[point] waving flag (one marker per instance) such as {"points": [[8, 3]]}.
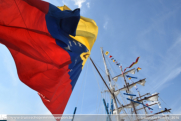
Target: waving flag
{"points": [[49, 45], [132, 64], [138, 69], [106, 52]]}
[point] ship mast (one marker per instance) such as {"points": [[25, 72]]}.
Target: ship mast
{"points": [[127, 90], [133, 102], [142, 102], [111, 87]]}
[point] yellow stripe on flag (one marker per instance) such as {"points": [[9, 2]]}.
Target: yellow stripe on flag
{"points": [[86, 33]]}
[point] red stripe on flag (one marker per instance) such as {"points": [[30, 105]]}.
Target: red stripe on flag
{"points": [[18, 13], [41, 5], [40, 62]]}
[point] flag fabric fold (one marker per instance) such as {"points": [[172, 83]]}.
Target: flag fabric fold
{"points": [[50, 46]]}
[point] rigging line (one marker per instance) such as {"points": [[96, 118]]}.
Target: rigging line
{"points": [[122, 61], [106, 79], [83, 91], [102, 71], [151, 87], [123, 101], [166, 104], [164, 115], [82, 85], [113, 69], [122, 96], [101, 77], [104, 94], [123, 108], [110, 65], [99, 107], [100, 68], [97, 103], [108, 99], [158, 109], [97, 81]]}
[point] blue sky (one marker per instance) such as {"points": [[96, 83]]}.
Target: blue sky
{"points": [[150, 29]]}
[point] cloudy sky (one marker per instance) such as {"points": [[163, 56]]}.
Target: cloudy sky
{"points": [[150, 29]]}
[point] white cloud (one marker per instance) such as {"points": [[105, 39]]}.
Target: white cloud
{"points": [[88, 4], [171, 74], [176, 44], [65, 3], [157, 22], [170, 66], [105, 24], [176, 106], [79, 2]]}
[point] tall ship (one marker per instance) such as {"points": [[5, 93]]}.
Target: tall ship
{"points": [[126, 101]]}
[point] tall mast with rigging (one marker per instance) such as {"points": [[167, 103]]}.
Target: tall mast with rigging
{"points": [[127, 90], [111, 87], [133, 101]]}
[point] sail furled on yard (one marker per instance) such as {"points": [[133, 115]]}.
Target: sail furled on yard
{"points": [[126, 106], [50, 46], [141, 82], [132, 71], [153, 98]]}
